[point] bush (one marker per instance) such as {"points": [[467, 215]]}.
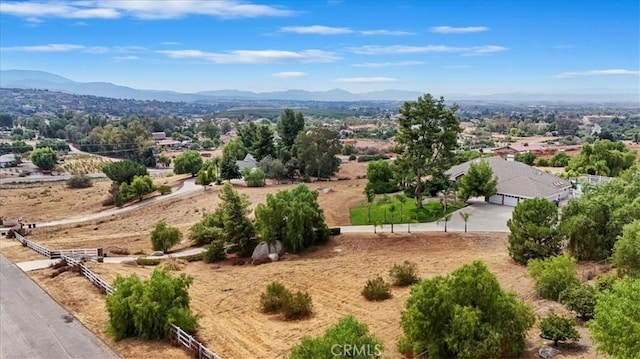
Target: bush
{"points": [[79, 181], [553, 275], [254, 177], [543, 162], [580, 299], [164, 189], [626, 251], [164, 237], [376, 290], [605, 282], [145, 309], [340, 340], [405, 347], [367, 158], [558, 329], [404, 274], [272, 299], [215, 252], [143, 261], [297, 305]]}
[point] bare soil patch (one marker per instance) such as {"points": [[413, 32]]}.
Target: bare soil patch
{"points": [[227, 296]]}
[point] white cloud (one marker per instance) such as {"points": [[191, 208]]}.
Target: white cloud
{"points": [[289, 74], [402, 49], [125, 58], [373, 65], [386, 32], [458, 30], [255, 56], [170, 43], [366, 80], [74, 48], [317, 30], [141, 9], [609, 72]]}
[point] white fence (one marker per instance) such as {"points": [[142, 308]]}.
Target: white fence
{"points": [[57, 253], [190, 342]]}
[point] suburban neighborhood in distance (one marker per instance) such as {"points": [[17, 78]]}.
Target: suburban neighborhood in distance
{"points": [[320, 179]]}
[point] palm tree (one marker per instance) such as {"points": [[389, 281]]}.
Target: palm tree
{"points": [[385, 200], [444, 219], [371, 195], [376, 223], [392, 208], [465, 217]]}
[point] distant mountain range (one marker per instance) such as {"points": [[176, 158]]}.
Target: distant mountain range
{"points": [[27, 79]]}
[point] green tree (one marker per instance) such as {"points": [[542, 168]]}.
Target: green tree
{"points": [[19, 147], [263, 145], [553, 275], [6, 120], [164, 160], [526, 157], [204, 178], [254, 177], [145, 309], [273, 168], [289, 127], [558, 329], [371, 196], [380, 177], [238, 228], [429, 131], [465, 217], [228, 168], [534, 230], [626, 251], [292, 217], [248, 135], [164, 237], [560, 159], [210, 130], [340, 340], [235, 149], [580, 299], [616, 322], [45, 158], [466, 315], [140, 186], [188, 162], [478, 181], [124, 171], [604, 157], [317, 152], [207, 143]]}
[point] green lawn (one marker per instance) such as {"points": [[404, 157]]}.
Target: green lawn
{"points": [[431, 211]]}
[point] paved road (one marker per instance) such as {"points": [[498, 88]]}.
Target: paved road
{"points": [[32, 325]]}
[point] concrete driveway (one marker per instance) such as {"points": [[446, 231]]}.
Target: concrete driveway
{"points": [[484, 217]]}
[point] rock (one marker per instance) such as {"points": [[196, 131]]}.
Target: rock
{"points": [[263, 250], [273, 257], [337, 250], [130, 262], [157, 254], [95, 228], [548, 352]]}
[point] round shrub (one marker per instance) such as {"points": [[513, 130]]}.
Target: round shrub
{"points": [[404, 274], [164, 189], [553, 275], [297, 305], [272, 299], [558, 329], [79, 181], [376, 290], [215, 252], [580, 299]]}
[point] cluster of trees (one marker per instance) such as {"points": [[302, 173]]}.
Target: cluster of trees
{"points": [[130, 180], [603, 157]]}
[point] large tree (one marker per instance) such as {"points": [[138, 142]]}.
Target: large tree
{"points": [[164, 237], [428, 131], [626, 251], [604, 157], [229, 168], [238, 228], [466, 315], [478, 181], [534, 230], [140, 186], [616, 322], [124, 171], [317, 152], [380, 177], [263, 145], [289, 127], [188, 162], [45, 158], [292, 217]]}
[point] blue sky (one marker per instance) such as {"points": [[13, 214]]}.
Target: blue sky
{"points": [[441, 47]]}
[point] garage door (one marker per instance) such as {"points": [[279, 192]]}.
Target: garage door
{"points": [[497, 199], [510, 201]]}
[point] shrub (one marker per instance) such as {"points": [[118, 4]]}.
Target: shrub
{"points": [[164, 237], [164, 189], [297, 305], [79, 181], [626, 251], [553, 275], [254, 177], [143, 261], [404, 274], [376, 290], [605, 282], [558, 329], [215, 252], [367, 158], [405, 347], [272, 299], [543, 162], [580, 299], [340, 340]]}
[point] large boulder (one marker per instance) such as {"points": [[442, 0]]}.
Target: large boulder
{"points": [[548, 352], [263, 250]]}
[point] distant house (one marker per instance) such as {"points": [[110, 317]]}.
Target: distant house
{"points": [[158, 136], [8, 160], [517, 181], [536, 148], [169, 143], [248, 162]]}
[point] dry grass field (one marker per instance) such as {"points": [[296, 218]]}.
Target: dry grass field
{"points": [[227, 296]]}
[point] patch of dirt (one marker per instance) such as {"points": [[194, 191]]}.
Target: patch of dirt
{"points": [[227, 296]]}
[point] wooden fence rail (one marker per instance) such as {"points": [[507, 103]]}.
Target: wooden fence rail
{"points": [[70, 257]]}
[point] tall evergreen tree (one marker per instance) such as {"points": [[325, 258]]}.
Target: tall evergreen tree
{"points": [[289, 127]]}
